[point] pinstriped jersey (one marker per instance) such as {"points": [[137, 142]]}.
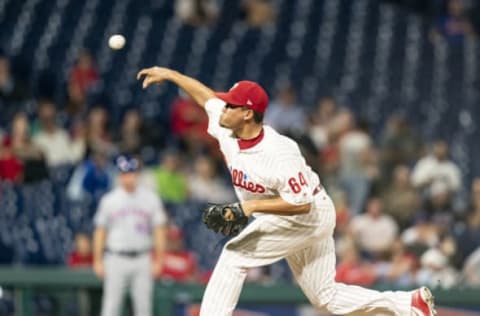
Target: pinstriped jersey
{"points": [[273, 167]]}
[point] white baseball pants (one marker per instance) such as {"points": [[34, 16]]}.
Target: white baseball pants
{"points": [[121, 274], [310, 253]]}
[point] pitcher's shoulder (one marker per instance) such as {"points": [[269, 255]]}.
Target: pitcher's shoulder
{"points": [[278, 143]]}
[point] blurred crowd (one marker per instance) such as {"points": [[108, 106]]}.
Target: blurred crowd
{"points": [[405, 215], [402, 217], [453, 19]]}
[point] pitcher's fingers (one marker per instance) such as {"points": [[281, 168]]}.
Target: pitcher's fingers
{"points": [[228, 216], [146, 82], [142, 72], [150, 80]]}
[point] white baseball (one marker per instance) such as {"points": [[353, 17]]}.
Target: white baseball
{"points": [[116, 41]]}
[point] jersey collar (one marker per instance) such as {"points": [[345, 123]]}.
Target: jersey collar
{"points": [[249, 143]]}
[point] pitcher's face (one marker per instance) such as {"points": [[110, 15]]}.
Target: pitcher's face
{"points": [[233, 116]]}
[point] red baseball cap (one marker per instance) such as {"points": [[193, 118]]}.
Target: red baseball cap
{"points": [[246, 93]]}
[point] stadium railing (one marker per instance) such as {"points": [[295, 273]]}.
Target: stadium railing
{"points": [[27, 282]]}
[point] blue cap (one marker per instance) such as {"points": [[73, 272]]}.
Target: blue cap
{"points": [[127, 164]]}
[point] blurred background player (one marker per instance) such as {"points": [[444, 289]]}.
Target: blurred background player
{"points": [[129, 221]]}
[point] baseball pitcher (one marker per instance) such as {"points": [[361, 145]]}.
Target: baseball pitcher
{"points": [[295, 217]]}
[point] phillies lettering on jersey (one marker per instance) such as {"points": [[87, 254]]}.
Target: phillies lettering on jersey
{"points": [[272, 165], [240, 179]]}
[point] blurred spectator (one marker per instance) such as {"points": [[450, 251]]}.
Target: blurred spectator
{"points": [[196, 12], [421, 236], [435, 270], [179, 264], [189, 124], [285, 114], [78, 130], [436, 168], [93, 178], [205, 185], [329, 162], [467, 232], [342, 213], [399, 146], [54, 141], [400, 199], [448, 247], [438, 207], [471, 270], [76, 101], [11, 167], [132, 136], [11, 89], [31, 156], [171, 182], [374, 232], [329, 168], [342, 121], [146, 178], [321, 118], [99, 173], [84, 74], [82, 255], [352, 270], [356, 157], [344, 241], [455, 23], [399, 269], [474, 207], [97, 133], [258, 13]]}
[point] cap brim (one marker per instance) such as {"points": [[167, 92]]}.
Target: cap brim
{"points": [[225, 96]]}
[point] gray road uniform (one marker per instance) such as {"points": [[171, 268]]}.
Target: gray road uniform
{"points": [[129, 219]]}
